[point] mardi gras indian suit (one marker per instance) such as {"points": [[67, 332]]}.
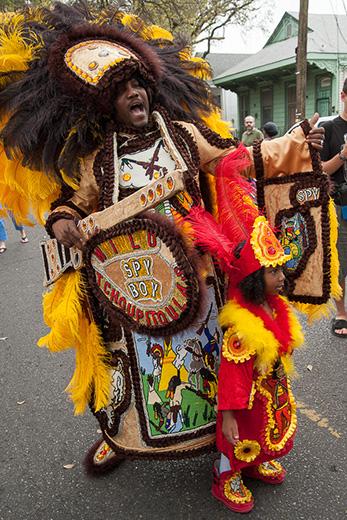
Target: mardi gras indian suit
{"points": [[260, 334], [141, 312]]}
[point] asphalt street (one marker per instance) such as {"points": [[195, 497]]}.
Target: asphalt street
{"points": [[39, 433]]}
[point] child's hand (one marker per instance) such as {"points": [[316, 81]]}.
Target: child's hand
{"points": [[229, 428]]}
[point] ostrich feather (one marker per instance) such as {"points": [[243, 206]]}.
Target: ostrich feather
{"points": [[72, 328], [236, 208], [210, 236]]}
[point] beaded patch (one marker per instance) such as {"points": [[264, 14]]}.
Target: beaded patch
{"points": [[233, 349], [236, 491], [270, 468], [120, 393], [176, 379], [266, 247], [139, 168], [90, 60], [280, 409], [141, 273], [295, 238], [103, 453]]}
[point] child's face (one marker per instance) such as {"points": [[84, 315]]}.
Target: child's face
{"points": [[274, 280]]}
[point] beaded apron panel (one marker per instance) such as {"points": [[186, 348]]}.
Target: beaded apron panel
{"points": [[298, 206]]}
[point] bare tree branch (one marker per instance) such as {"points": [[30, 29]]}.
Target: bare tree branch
{"points": [[198, 20]]}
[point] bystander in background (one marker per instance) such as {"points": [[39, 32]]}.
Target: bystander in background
{"points": [[4, 236], [270, 131], [334, 157], [251, 133]]}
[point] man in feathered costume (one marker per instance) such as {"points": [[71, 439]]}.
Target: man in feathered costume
{"points": [[110, 122]]}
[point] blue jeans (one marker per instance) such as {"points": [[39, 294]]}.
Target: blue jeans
{"points": [[3, 232], [17, 226], [342, 244]]}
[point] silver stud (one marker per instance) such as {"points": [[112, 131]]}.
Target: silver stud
{"points": [[103, 53]]}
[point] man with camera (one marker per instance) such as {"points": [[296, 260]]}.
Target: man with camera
{"points": [[334, 157]]}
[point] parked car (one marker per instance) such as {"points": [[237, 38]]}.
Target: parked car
{"points": [[319, 123], [324, 119]]}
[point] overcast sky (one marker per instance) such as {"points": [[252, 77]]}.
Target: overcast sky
{"points": [[252, 40]]}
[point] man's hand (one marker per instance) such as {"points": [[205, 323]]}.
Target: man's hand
{"points": [[66, 232], [316, 135], [229, 427]]}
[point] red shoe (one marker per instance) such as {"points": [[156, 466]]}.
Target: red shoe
{"points": [[229, 489], [270, 472]]}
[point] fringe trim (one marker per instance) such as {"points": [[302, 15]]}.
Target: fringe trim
{"points": [[336, 291]]}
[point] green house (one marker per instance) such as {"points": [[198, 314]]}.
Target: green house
{"points": [[265, 82]]}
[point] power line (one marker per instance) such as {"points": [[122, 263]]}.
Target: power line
{"points": [[337, 21]]}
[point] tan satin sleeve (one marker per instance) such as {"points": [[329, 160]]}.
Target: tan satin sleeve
{"points": [[87, 195], [282, 156], [209, 155], [285, 155]]}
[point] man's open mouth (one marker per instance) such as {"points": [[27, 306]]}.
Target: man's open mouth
{"points": [[137, 108]]}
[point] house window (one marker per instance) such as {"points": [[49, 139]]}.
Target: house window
{"points": [[217, 96], [323, 95], [325, 82], [266, 95], [289, 30]]}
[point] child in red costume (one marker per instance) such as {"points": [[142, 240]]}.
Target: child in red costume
{"points": [[256, 420]]}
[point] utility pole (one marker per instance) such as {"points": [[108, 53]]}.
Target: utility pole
{"points": [[301, 62]]}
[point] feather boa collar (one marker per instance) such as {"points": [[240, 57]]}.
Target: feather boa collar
{"points": [[265, 337]]}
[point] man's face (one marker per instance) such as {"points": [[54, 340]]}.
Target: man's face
{"points": [[131, 104], [249, 123]]}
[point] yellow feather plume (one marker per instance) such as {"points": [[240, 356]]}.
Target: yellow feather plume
{"points": [[133, 23], [22, 191], [252, 333], [16, 49], [25, 191], [216, 123], [92, 376], [65, 312], [154, 32], [144, 31], [62, 312], [336, 291], [51, 300]]}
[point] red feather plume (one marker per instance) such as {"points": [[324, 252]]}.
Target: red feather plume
{"points": [[208, 234], [235, 194]]}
